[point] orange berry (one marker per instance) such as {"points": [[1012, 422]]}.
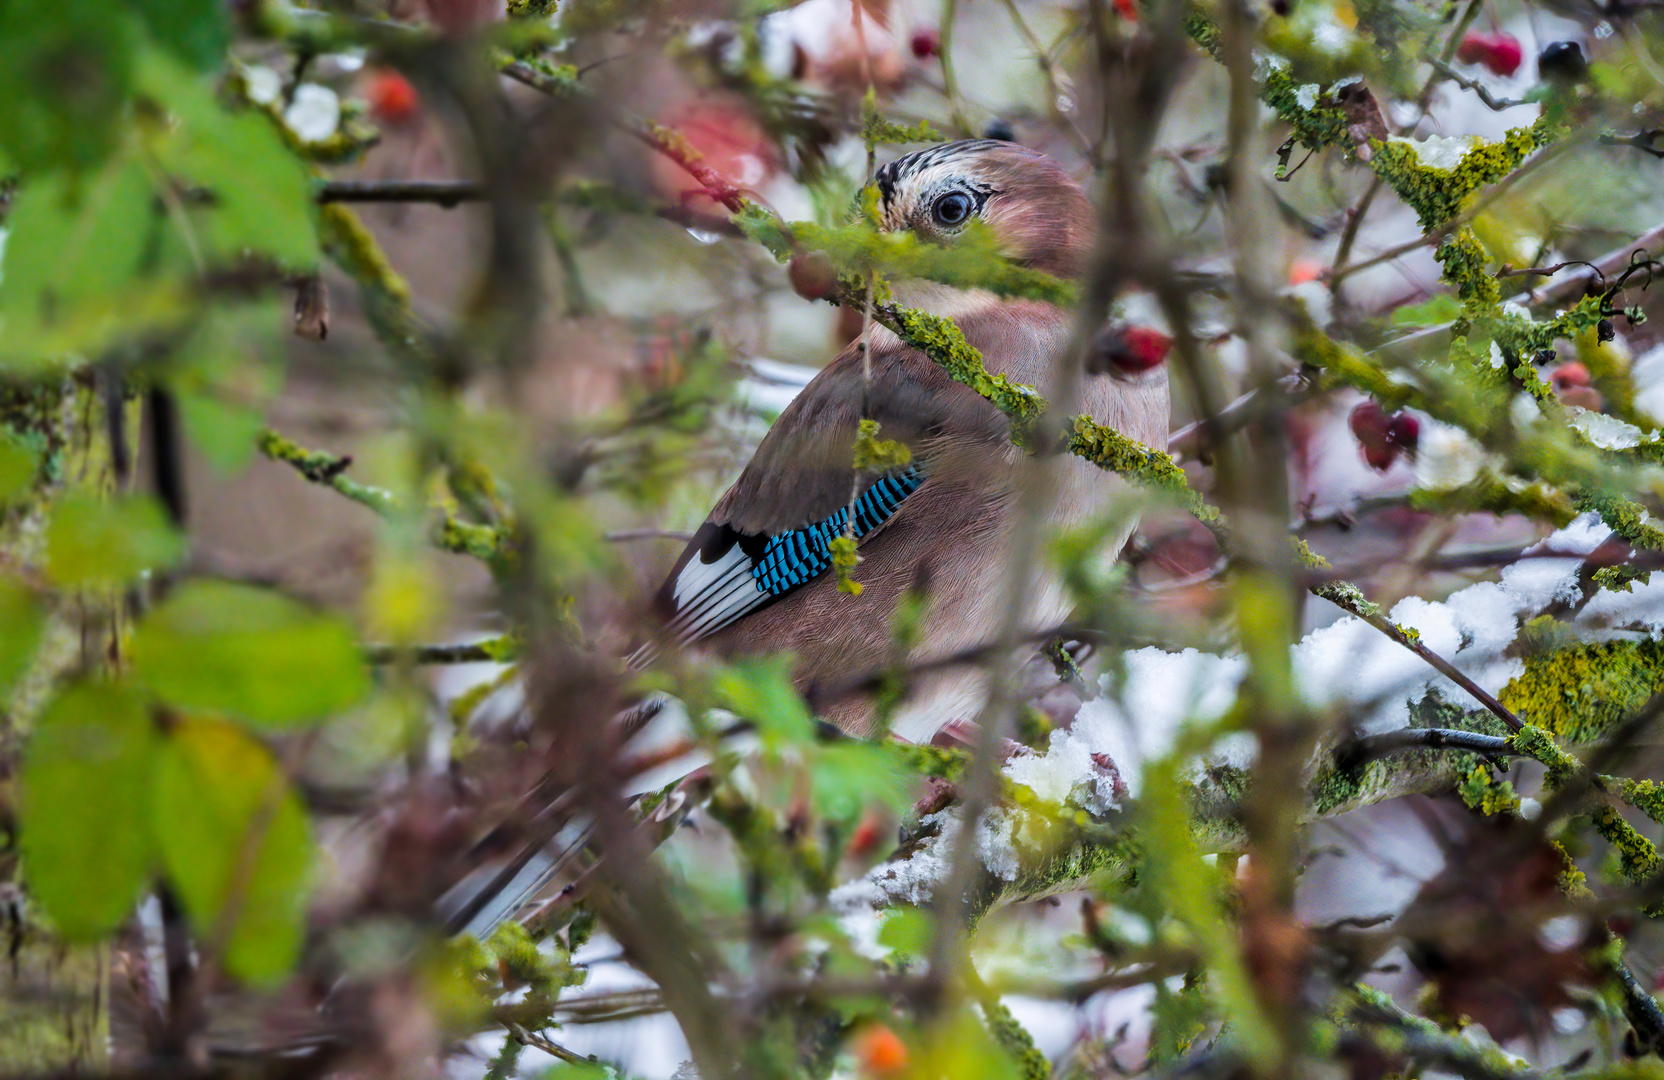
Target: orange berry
{"points": [[392, 99], [1303, 270], [880, 1050]]}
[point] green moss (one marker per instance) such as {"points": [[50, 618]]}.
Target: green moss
{"points": [[1465, 263], [878, 131], [941, 339], [351, 244], [1646, 796], [1438, 195], [1481, 791], [1538, 744], [1638, 858], [1109, 449], [1582, 693], [844, 560], [326, 469], [1629, 519], [972, 260], [531, 9], [1015, 1040], [873, 454]]}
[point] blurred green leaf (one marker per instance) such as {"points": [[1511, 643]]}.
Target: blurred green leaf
{"points": [[19, 465], [846, 777], [1189, 891], [73, 260], [85, 833], [760, 690], [906, 931], [194, 30], [236, 845], [21, 623], [1435, 311], [252, 653], [104, 542], [65, 69], [262, 195], [223, 431]]}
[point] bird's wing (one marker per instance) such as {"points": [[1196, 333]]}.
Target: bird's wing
{"points": [[770, 533]]}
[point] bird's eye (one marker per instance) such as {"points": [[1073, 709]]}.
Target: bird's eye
{"points": [[951, 209]]}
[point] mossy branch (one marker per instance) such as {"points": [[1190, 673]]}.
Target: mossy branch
{"points": [[484, 542]]}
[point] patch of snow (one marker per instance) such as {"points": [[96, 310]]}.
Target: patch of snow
{"points": [[1447, 458], [1606, 432]]}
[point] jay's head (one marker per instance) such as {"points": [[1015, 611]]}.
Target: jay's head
{"points": [[1037, 211]]}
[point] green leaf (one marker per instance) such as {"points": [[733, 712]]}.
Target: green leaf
{"points": [[224, 432], [19, 466], [906, 931], [72, 280], [253, 653], [93, 542], [1435, 311], [21, 623], [760, 690], [262, 195], [194, 30], [85, 826], [65, 69], [235, 844], [846, 777]]}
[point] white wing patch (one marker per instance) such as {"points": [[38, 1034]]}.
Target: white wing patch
{"points": [[709, 596]]}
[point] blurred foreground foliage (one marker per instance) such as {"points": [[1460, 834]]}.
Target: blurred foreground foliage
{"points": [[256, 804]]}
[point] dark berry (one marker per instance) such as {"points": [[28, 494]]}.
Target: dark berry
{"points": [[1404, 431], [1369, 423], [926, 44], [1380, 458], [1562, 60], [1604, 331], [1000, 130]]}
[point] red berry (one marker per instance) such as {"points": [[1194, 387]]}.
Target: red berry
{"points": [[812, 275], [1139, 348], [1501, 53], [1380, 458], [392, 99], [1369, 424], [1475, 45], [1127, 9], [867, 836], [1404, 431], [1505, 55], [926, 44]]}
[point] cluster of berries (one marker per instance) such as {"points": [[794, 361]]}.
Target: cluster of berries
{"points": [[1382, 436]]}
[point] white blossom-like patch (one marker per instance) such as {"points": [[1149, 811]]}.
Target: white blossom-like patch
{"points": [[1306, 96], [262, 84], [314, 114]]}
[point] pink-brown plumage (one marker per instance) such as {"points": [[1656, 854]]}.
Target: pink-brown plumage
{"points": [[949, 539]]}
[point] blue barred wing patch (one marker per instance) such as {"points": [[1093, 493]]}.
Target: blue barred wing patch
{"points": [[731, 574], [793, 558]]}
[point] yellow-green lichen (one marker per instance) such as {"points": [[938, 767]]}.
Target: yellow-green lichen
{"points": [[873, 454], [1483, 792], [1638, 858], [1580, 694], [1536, 743], [1438, 195], [1465, 263], [844, 560]]}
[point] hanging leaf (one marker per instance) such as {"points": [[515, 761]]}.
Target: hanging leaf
{"points": [[253, 653], [85, 822], [236, 845]]}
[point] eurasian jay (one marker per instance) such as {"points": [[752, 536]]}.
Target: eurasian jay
{"points": [[757, 575]]}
